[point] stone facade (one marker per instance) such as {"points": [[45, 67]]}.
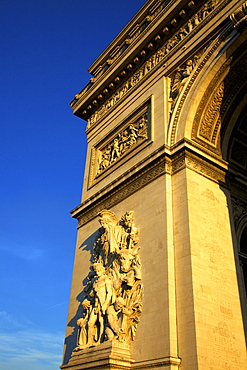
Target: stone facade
{"points": [[166, 175]]}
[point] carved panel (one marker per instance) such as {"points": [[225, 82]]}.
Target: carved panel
{"points": [[130, 134], [113, 293], [210, 117]]}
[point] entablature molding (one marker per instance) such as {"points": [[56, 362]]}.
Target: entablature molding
{"points": [[175, 362], [162, 162], [168, 35], [187, 159], [115, 193], [134, 35]]}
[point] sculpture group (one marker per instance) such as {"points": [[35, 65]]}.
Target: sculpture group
{"points": [[133, 134], [113, 293]]}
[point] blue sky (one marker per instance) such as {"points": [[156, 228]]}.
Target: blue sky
{"points": [[47, 46]]}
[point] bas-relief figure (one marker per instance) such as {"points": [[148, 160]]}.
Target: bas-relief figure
{"points": [[113, 293], [125, 140], [181, 76]]}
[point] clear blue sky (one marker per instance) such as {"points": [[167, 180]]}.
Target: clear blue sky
{"points": [[47, 46]]}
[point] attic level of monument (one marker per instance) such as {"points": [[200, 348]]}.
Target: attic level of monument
{"points": [[160, 30]]}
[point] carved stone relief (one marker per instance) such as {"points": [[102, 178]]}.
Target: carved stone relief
{"points": [[212, 114], [113, 194], [210, 117], [134, 133], [180, 77], [154, 11], [113, 293], [155, 59], [131, 133]]}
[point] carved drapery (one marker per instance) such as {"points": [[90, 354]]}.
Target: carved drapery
{"points": [[134, 133], [113, 293]]}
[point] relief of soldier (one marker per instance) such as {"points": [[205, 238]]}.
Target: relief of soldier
{"points": [[133, 133], [113, 295]]}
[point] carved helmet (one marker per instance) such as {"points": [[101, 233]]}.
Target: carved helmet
{"points": [[107, 215]]}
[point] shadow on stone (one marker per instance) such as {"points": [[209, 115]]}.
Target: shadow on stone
{"points": [[71, 340]]}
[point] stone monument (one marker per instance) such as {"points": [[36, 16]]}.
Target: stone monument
{"points": [[160, 271]]}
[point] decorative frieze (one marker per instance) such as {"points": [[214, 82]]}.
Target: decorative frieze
{"points": [[133, 34], [154, 11], [107, 198], [154, 60], [164, 164], [217, 99], [211, 116], [198, 164]]}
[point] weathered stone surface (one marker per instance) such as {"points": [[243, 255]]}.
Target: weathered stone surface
{"points": [[167, 139]]}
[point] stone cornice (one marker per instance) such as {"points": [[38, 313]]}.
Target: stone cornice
{"points": [[150, 169], [162, 162], [161, 362], [198, 164], [131, 29], [164, 25]]}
